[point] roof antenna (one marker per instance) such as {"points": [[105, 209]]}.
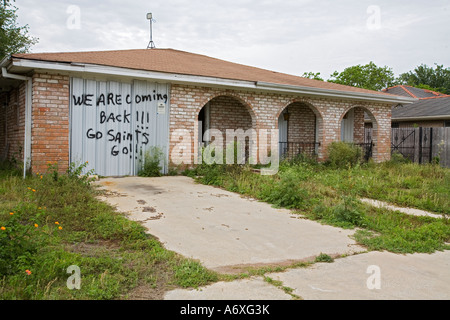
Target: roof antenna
{"points": [[151, 44]]}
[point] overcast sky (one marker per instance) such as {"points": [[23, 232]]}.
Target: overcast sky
{"points": [[291, 36]]}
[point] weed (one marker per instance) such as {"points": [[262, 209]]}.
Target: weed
{"points": [[343, 154], [287, 191], [397, 158], [330, 194], [279, 285], [189, 273], [57, 222], [323, 257], [151, 163]]}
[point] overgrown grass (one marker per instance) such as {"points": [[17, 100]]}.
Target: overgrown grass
{"points": [[424, 187], [330, 194], [52, 221], [57, 222]]}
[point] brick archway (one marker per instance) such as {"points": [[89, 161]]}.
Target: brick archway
{"points": [[368, 141], [303, 123], [230, 117], [210, 97]]}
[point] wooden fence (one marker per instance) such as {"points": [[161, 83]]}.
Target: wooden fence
{"points": [[421, 145]]}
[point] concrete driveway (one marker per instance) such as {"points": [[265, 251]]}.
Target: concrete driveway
{"points": [[365, 276], [227, 233], [221, 229]]}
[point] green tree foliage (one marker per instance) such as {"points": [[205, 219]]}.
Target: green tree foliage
{"points": [[13, 38], [312, 75], [368, 76], [425, 77]]}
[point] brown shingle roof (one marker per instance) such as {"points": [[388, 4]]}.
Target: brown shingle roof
{"points": [[181, 62]]}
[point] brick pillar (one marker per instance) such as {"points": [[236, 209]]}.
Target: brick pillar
{"points": [[12, 123], [331, 129], [50, 122], [358, 126], [382, 133]]}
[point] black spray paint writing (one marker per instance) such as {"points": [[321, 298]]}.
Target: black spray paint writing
{"points": [[123, 141], [112, 99]]}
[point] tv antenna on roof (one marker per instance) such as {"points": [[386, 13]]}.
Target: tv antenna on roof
{"points": [[151, 44]]}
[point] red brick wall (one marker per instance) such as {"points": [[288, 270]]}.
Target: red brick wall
{"points": [[232, 108], [358, 125], [50, 122], [12, 122], [302, 123], [228, 113], [187, 101]]}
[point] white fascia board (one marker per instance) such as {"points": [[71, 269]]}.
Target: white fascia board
{"points": [[5, 61], [337, 94], [444, 117], [208, 81], [131, 73]]}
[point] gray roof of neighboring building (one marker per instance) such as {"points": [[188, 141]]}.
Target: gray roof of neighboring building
{"points": [[434, 107], [408, 91], [431, 104]]}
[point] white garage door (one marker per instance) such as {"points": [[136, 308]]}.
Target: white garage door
{"points": [[113, 124]]}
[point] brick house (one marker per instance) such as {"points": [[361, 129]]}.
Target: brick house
{"points": [[109, 107]]}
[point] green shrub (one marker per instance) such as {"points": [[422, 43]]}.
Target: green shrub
{"points": [[21, 236], [16, 247], [398, 158], [347, 212], [343, 154], [151, 163], [300, 159], [75, 171], [287, 192]]}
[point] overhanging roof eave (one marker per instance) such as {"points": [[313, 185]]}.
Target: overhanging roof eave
{"points": [[202, 80]]}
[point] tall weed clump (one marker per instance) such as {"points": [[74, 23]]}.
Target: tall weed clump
{"points": [[151, 163], [343, 155], [347, 213], [287, 190], [29, 226]]}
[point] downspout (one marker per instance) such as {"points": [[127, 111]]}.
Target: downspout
{"points": [[28, 105]]}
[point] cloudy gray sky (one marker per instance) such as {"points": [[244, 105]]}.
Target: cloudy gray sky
{"points": [[291, 36]]}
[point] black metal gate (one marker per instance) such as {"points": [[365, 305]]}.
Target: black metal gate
{"points": [[403, 141], [290, 150], [425, 145], [367, 146], [415, 144]]}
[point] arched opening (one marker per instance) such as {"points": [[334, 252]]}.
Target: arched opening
{"points": [[300, 131], [232, 120], [353, 129]]}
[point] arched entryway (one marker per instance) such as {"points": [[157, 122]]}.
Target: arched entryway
{"points": [[233, 121], [300, 131], [352, 129]]}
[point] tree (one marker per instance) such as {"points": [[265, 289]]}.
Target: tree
{"points": [[425, 77], [312, 75], [13, 38], [368, 76]]}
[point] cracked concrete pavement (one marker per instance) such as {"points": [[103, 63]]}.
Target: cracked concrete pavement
{"points": [[227, 232]]}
